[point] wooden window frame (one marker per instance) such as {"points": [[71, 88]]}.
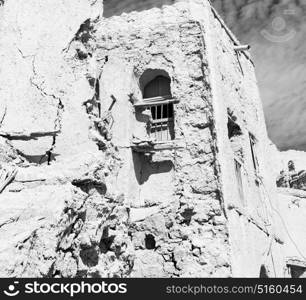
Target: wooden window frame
{"points": [[162, 124]]}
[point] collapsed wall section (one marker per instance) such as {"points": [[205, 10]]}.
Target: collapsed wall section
{"points": [[40, 93]]}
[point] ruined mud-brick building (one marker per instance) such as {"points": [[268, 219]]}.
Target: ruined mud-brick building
{"points": [[144, 154]]}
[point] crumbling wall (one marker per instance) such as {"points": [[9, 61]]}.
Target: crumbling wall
{"points": [[65, 225], [39, 90], [57, 215], [186, 234], [71, 148], [236, 97], [82, 202]]}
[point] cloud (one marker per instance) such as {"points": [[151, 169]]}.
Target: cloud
{"points": [[276, 30]]}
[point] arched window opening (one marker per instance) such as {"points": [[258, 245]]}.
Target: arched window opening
{"points": [[157, 98]]}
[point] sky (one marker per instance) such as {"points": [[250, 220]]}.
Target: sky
{"points": [[276, 31]]}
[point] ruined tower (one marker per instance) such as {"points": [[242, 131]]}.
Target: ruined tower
{"points": [[140, 147], [190, 128]]}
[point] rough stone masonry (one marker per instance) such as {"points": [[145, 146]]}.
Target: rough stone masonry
{"points": [[133, 144]]}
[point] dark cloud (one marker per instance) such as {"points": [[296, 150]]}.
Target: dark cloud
{"points": [[276, 29]]}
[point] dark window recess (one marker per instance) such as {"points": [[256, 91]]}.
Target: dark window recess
{"points": [[150, 242], [239, 181], [158, 87], [253, 151], [297, 272], [233, 128]]}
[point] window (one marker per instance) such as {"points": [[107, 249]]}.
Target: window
{"points": [[162, 127], [253, 151], [297, 271], [158, 87], [233, 128], [158, 99], [239, 181], [235, 136]]}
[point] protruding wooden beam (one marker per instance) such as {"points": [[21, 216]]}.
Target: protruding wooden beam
{"points": [[27, 135], [242, 48], [151, 147]]}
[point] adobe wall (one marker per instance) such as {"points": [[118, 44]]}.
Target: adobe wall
{"points": [[234, 89], [186, 219], [93, 211], [39, 90]]}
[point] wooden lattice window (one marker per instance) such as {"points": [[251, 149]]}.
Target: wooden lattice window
{"points": [[162, 126], [157, 93]]}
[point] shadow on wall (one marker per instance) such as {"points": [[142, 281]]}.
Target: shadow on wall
{"points": [[118, 7], [144, 168], [40, 159]]}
